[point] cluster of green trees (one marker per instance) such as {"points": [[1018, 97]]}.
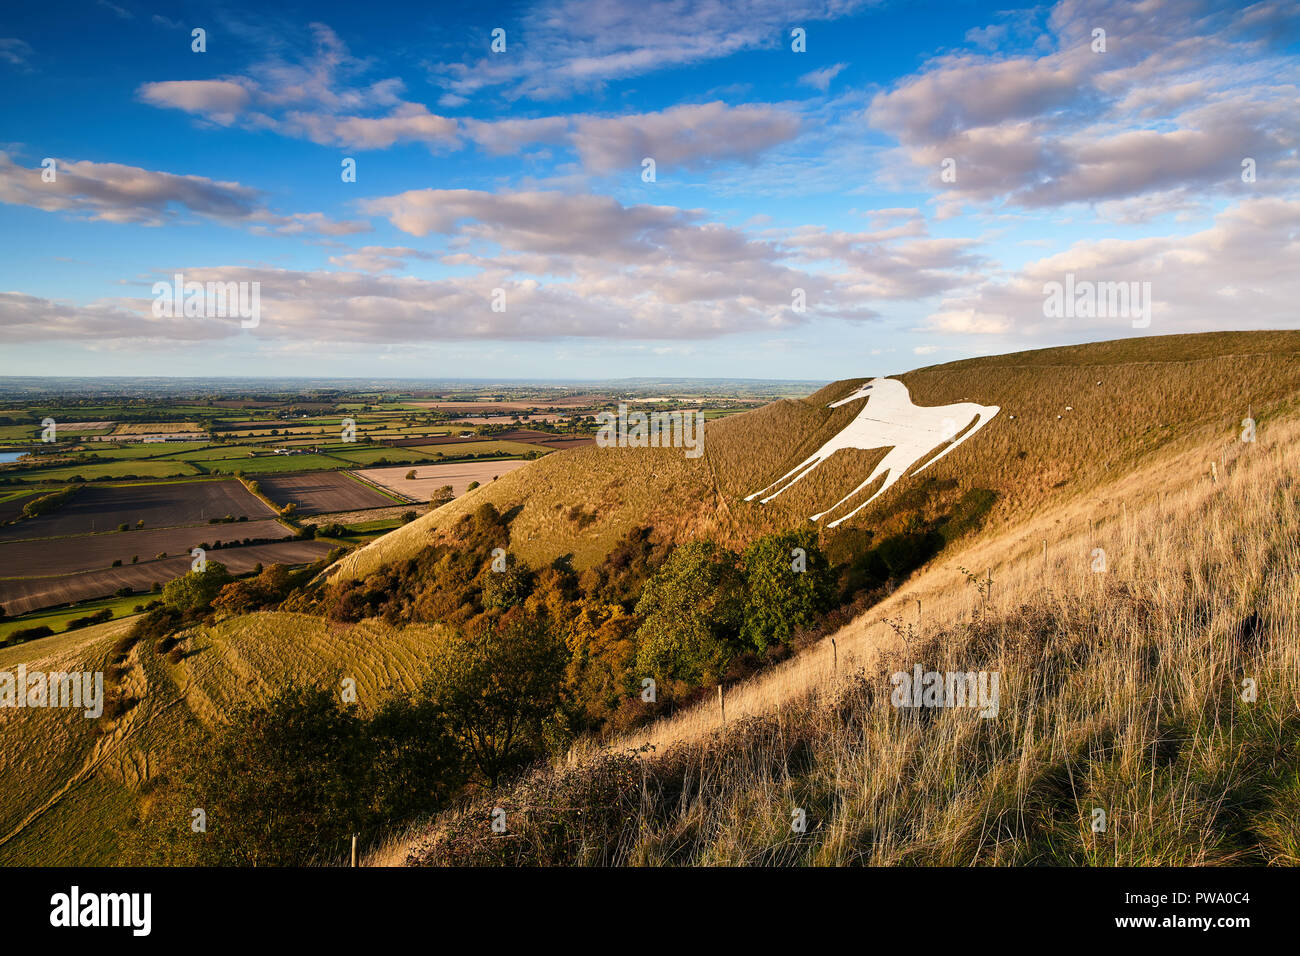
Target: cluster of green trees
{"points": [[51, 502], [707, 605]]}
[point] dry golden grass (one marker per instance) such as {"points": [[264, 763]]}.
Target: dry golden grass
{"points": [[1132, 520], [1119, 690]]}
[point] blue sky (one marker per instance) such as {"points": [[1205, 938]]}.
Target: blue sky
{"points": [[1116, 159]]}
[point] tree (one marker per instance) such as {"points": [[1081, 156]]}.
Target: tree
{"points": [[788, 583], [410, 475], [442, 496], [472, 486], [196, 590], [499, 685], [691, 612], [504, 589]]}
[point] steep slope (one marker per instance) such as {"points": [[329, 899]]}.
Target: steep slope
{"points": [[1163, 691], [1071, 419]]}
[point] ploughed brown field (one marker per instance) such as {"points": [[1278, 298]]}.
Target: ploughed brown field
{"points": [[321, 492], [12, 508], [88, 552], [161, 505], [18, 596]]}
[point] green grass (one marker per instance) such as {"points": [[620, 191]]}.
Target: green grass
{"points": [[117, 469], [276, 464], [384, 524], [162, 450], [57, 618], [215, 452]]}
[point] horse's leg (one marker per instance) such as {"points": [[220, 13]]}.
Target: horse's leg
{"points": [[884, 468], [805, 466], [983, 417]]}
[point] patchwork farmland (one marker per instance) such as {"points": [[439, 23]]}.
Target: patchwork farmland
{"points": [[108, 538], [158, 505], [69, 555], [20, 595], [113, 505]]}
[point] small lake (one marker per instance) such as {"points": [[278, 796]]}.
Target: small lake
{"points": [[10, 456]]}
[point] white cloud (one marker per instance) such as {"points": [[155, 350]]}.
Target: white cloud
{"points": [[1237, 274], [113, 192], [821, 79]]}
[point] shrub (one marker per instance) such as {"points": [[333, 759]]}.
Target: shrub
{"points": [[498, 685], [288, 781]]}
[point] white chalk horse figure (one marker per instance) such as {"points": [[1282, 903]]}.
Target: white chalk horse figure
{"points": [[889, 420]]}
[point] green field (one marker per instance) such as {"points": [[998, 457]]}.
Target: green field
{"points": [[152, 468], [57, 618], [160, 450], [216, 452], [275, 464]]}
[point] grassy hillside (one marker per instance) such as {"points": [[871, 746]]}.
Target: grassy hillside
{"points": [[1072, 419], [1121, 691], [71, 784]]}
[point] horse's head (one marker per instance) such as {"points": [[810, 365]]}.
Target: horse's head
{"points": [[864, 391]]}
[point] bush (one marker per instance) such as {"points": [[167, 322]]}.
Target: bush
{"points": [[99, 617], [506, 588], [498, 684]]}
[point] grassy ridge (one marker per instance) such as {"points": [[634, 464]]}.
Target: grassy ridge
{"points": [[1162, 393]]}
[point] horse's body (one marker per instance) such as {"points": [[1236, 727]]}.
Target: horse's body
{"points": [[890, 420]]}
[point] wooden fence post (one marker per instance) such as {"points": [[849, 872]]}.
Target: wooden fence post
{"points": [[354, 849]]}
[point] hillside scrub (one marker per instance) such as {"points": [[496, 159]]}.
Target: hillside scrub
{"points": [[688, 617]]}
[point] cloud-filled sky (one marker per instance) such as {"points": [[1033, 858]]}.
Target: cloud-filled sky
{"points": [[840, 187]]}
